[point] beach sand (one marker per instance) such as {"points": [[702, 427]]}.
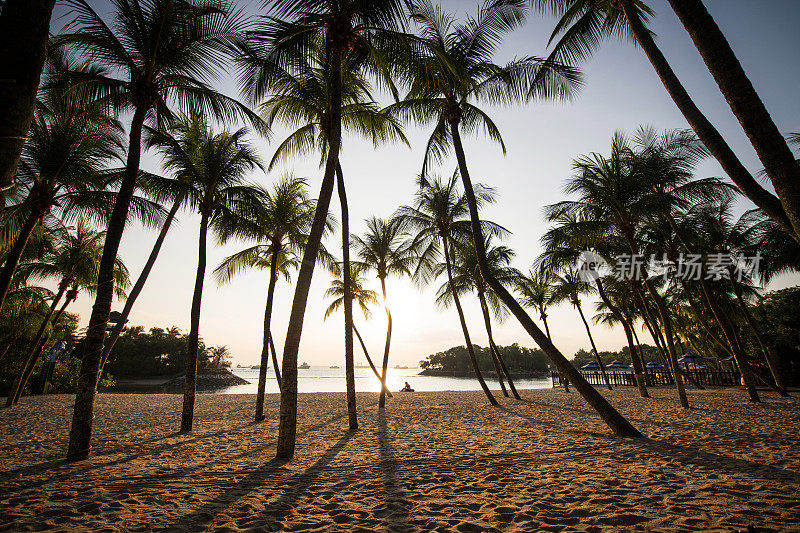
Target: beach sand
{"points": [[443, 461]]}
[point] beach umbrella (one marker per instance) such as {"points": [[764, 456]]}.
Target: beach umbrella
{"points": [[591, 366], [693, 358], [653, 364], [618, 365]]}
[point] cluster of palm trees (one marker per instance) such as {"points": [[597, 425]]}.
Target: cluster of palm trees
{"points": [[311, 65]]}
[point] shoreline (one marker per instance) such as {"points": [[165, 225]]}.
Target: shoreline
{"points": [[444, 461]]}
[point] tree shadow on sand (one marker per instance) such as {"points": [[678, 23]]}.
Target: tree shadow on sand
{"points": [[397, 507], [277, 510]]}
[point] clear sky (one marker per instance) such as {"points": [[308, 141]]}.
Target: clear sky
{"points": [[621, 93]]}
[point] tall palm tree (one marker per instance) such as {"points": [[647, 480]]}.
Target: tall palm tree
{"points": [[359, 294], [457, 69], [436, 219], [770, 145], [582, 27], [74, 263], [567, 287], [467, 279], [24, 30], [385, 250], [154, 55], [353, 35], [215, 166], [279, 225]]}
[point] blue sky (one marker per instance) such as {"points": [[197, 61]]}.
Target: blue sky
{"points": [[621, 92]]}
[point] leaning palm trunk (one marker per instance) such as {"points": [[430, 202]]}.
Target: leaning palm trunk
{"points": [[30, 359], [349, 364], [138, 286], [705, 131], [190, 381], [772, 364], [262, 371], [287, 428], [638, 367], [275, 361], [493, 351], [369, 360], [26, 375], [385, 364], [776, 156], [470, 349], [493, 347], [80, 435], [24, 30], [577, 305], [618, 424]]}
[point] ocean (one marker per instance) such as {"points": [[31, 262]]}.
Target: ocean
{"points": [[324, 379]]}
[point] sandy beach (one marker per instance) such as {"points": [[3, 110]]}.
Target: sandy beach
{"points": [[442, 461]]}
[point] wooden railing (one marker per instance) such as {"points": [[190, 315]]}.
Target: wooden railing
{"points": [[657, 376]]}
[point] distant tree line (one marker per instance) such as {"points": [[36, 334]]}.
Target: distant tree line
{"points": [[517, 358]]}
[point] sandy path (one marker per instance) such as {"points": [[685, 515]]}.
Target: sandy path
{"points": [[435, 461]]}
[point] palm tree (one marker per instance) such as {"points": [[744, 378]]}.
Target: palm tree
{"points": [[770, 145], [300, 98], [24, 30], [74, 262], [584, 24], [353, 34], [384, 249], [568, 287], [220, 357], [437, 218], [534, 291], [467, 278], [153, 56], [614, 201], [360, 295], [457, 68], [214, 166], [279, 224]]}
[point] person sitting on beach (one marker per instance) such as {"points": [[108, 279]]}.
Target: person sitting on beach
{"points": [[407, 388]]}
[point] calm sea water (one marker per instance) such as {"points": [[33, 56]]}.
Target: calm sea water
{"points": [[323, 379]]}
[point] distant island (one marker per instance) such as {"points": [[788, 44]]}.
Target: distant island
{"points": [[522, 362]]}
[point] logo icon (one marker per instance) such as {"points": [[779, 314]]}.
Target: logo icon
{"points": [[588, 266]]}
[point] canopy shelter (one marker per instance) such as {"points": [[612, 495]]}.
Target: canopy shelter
{"points": [[653, 364], [592, 365], [618, 365]]}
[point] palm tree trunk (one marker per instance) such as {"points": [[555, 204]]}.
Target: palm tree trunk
{"points": [[705, 131], [771, 147], [492, 351], [618, 424], [562, 377], [287, 428], [776, 374], [497, 357], [138, 286], [30, 358], [638, 366], [275, 362], [24, 31], [369, 360], [385, 365], [262, 371], [80, 435], [349, 363], [23, 379], [457, 302], [594, 348], [190, 381], [15, 253]]}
